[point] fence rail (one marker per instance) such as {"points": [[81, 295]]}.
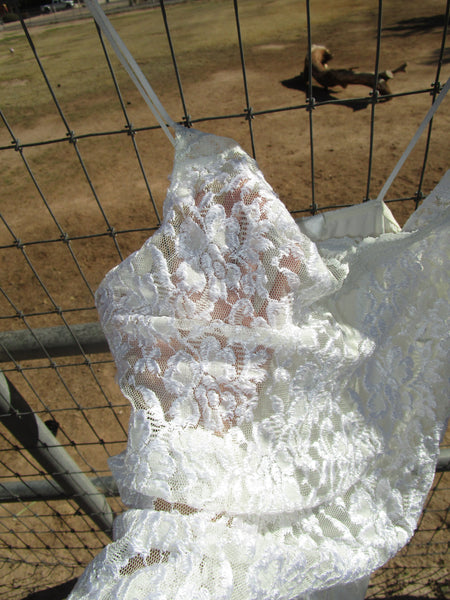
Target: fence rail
{"points": [[84, 170]]}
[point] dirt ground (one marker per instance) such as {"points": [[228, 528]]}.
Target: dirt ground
{"points": [[275, 41]]}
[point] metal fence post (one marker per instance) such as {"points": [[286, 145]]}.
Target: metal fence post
{"points": [[27, 344], [37, 439]]}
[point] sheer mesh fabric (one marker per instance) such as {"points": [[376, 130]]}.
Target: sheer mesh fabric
{"points": [[288, 398]]}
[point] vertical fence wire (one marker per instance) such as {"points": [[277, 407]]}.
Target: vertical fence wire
{"points": [[129, 126], [375, 96], [56, 368], [248, 108], [311, 104], [186, 116], [62, 233], [436, 89], [72, 139]]}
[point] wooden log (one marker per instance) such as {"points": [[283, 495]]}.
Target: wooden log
{"points": [[320, 56]]}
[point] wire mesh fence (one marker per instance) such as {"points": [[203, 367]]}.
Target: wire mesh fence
{"points": [[84, 173]]}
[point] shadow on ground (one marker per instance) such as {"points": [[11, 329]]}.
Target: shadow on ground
{"points": [[320, 94], [59, 592], [435, 55], [416, 25]]}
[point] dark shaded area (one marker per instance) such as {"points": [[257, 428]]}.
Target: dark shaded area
{"points": [[434, 56], [416, 25], [59, 592], [52, 425], [321, 94], [395, 597]]}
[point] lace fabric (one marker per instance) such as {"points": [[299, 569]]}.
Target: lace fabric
{"points": [[288, 397]]}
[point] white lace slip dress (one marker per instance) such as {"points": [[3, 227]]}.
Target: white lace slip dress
{"points": [[288, 395], [288, 398]]}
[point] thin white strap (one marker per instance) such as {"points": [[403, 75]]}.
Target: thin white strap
{"points": [[414, 140], [132, 68]]}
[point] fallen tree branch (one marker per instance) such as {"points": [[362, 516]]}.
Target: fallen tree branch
{"points": [[320, 56]]}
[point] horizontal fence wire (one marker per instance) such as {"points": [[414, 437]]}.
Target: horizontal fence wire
{"points": [[84, 173]]}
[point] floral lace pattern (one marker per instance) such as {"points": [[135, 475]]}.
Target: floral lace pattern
{"points": [[288, 399]]}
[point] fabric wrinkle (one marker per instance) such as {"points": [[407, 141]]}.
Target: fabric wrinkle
{"points": [[288, 392]]}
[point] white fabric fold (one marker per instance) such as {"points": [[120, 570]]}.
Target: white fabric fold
{"points": [[368, 219], [288, 398]]}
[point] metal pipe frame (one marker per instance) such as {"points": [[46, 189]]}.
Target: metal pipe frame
{"points": [[27, 344], [37, 439]]}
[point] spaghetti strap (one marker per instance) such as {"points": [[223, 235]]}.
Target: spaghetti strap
{"points": [[132, 68], [414, 140]]}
